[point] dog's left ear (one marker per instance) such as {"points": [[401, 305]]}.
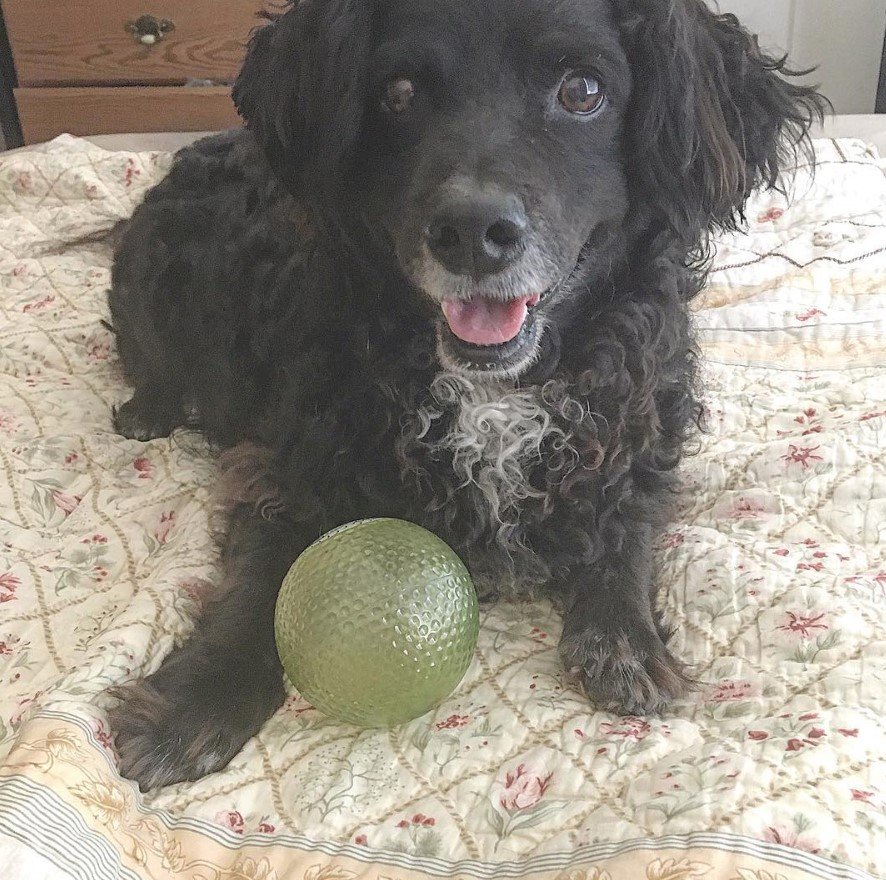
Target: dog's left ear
{"points": [[712, 115], [302, 87]]}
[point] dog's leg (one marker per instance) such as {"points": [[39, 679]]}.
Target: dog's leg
{"points": [[613, 638], [150, 413], [210, 695]]}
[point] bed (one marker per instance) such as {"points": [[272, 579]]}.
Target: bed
{"points": [[774, 573]]}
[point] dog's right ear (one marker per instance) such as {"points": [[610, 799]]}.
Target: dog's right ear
{"points": [[302, 89]]}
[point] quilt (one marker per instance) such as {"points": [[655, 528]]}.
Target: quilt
{"points": [[773, 574]]}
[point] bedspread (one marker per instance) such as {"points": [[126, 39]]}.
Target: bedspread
{"points": [[773, 574]]}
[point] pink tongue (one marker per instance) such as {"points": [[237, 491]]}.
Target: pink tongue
{"points": [[484, 321]]}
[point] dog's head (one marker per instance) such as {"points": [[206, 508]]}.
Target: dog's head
{"points": [[499, 148]]}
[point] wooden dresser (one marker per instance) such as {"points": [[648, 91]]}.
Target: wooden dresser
{"points": [[107, 66]]}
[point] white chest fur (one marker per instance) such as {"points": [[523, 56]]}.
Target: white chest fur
{"points": [[496, 435]]}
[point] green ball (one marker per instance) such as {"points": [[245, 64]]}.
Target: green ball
{"points": [[376, 622]]}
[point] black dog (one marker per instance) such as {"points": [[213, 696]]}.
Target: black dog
{"points": [[443, 276]]}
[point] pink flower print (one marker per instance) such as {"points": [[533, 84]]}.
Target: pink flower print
{"points": [[782, 551], [790, 838], [66, 503], [863, 796], [729, 691], [266, 828], [99, 351], [807, 420], [810, 566], [809, 716], [22, 710], [848, 731], [9, 582], [630, 727], [130, 172], [294, 703], [747, 508], [771, 215], [794, 745], [802, 455], [453, 722], [815, 733], [537, 634], [361, 840], [230, 819], [758, 735], [877, 580], [197, 589], [167, 521], [809, 314], [523, 789], [673, 539], [39, 305], [144, 468], [102, 735], [7, 422], [419, 819], [872, 415], [803, 625], [5, 650], [801, 420], [24, 182], [24, 707]]}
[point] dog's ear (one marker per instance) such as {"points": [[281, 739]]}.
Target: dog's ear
{"points": [[712, 115], [302, 87]]}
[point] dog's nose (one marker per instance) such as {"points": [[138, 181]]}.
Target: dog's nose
{"points": [[478, 234]]}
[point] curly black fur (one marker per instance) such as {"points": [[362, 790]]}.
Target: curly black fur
{"points": [[273, 290]]}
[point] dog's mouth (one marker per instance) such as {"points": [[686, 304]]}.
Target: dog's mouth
{"points": [[487, 322], [490, 335]]}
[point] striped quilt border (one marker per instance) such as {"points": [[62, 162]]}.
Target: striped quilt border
{"points": [[39, 807]]}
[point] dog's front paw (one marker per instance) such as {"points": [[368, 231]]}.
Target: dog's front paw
{"points": [[624, 669], [146, 418], [181, 726]]}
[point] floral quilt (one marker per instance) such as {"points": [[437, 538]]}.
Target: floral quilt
{"points": [[774, 574]]}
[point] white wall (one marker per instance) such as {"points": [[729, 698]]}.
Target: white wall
{"points": [[843, 37]]}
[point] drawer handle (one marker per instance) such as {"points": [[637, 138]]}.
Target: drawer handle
{"points": [[148, 29]]}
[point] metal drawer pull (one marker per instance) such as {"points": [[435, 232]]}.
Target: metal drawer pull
{"points": [[148, 29]]}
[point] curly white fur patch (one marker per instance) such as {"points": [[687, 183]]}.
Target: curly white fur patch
{"points": [[497, 435]]}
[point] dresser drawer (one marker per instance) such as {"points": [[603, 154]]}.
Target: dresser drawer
{"points": [[88, 41], [47, 112]]}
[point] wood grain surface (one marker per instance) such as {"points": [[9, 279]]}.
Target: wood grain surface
{"points": [[48, 112], [87, 41]]}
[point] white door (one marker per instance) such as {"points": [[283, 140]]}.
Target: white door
{"points": [[844, 38]]}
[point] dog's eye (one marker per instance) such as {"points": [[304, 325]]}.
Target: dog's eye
{"points": [[399, 93], [580, 92]]}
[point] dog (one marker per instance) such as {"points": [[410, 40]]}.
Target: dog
{"points": [[443, 275]]}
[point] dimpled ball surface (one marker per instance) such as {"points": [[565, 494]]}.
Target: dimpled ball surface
{"points": [[376, 622]]}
